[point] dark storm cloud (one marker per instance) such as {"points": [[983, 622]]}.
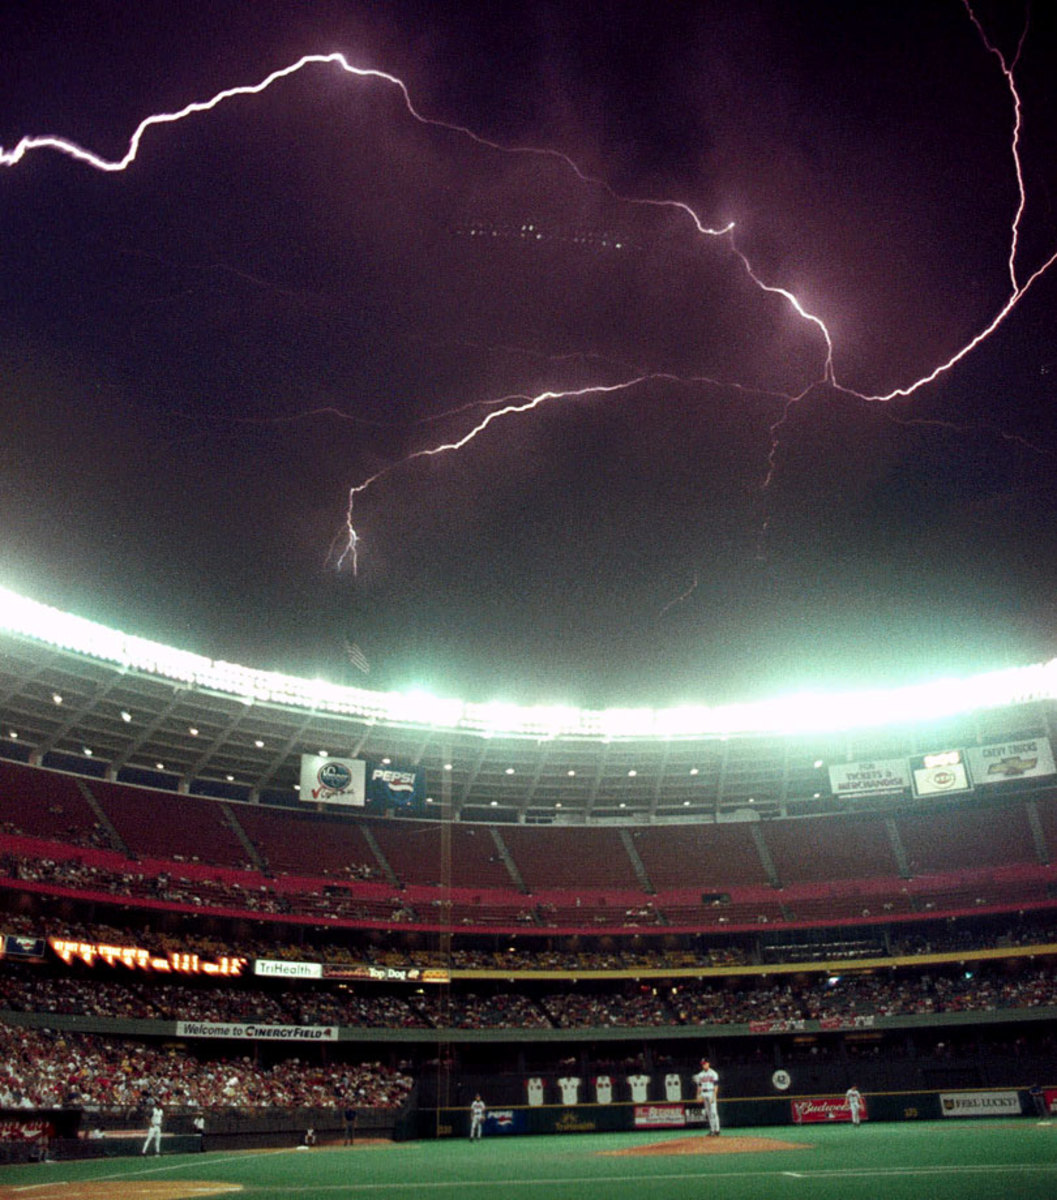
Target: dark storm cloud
{"points": [[295, 292]]}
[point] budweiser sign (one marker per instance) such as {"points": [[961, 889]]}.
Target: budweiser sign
{"points": [[659, 1116], [26, 1131], [860, 1021], [821, 1109], [778, 1025]]}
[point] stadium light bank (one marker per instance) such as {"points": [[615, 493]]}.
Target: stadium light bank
{"points": [[805, 712]]}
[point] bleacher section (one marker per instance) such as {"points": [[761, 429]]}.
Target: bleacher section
{"points": [[1046, 807], [832, 870], [711, 857], [956, 839], [415, 851], [305, 843], [548, 861], [159, 825], [822, 849], [45, 804]]}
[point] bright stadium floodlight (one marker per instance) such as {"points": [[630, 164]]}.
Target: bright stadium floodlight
{"points": [[494, 717], [799, 713], [627, 722], [421, 708]]}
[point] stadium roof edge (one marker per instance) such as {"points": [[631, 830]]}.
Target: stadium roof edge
{"points": [[804, 712]]}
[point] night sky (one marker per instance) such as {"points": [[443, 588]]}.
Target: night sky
{"points": [[283, 297]]}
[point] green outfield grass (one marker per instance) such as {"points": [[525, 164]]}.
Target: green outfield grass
{"points": [[954, 1160]]}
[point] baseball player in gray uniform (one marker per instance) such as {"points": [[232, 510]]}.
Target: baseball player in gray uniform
{"points": [[707, 1083]]}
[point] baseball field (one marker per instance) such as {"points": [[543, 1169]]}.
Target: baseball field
{"points": [[954, 1160]]}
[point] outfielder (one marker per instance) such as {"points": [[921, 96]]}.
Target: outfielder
{"points": [[477, 1111], [707, 1083], [855, 1104], [154, 1129]]}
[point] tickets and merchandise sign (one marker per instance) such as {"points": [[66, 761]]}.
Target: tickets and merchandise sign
{"points": [[877, 777]]}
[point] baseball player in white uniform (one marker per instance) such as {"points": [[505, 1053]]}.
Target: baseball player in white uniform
{"points": [[477, 1111], [154, 1128], [707, 1084], [855, 1104]]}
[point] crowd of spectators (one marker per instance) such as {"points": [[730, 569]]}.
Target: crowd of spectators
{"points": [[151, 1000], [467, 1010], [698, 1002], [93, 838], [331, 903], [355, 896], [508, 956], [572, 1010], [43, 1068]]}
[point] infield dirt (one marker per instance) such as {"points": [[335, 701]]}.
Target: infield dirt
{"points": [[115, 1189], [707, 1145]]}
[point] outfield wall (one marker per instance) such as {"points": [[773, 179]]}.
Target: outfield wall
{"points": [[750, 1112]]}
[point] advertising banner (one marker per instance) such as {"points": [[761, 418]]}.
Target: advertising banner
{"points": [[504, 1120], [877, 777], [980, 1104], [940, 774], [257, 1033], [29, 949], [659, 1116], [860, 1021], [327, 780], [395, 787], [279, 969], [819, 1109], [180, 962], [29, 1130], [778, 1025], [386, 974], [999, 761]]}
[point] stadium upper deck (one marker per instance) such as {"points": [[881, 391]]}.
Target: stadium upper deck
{"points": [[79, 697]]}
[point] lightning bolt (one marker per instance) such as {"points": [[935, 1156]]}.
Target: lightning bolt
{"points": [[681, 597], [519, 405], [1020, 284], [1018, 290]]}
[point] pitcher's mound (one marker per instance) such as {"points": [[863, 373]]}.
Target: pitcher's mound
{"points": [[708, 1145]]}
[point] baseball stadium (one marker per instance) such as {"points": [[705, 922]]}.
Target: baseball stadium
{"points": [[525, 528], [311, 923]]}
